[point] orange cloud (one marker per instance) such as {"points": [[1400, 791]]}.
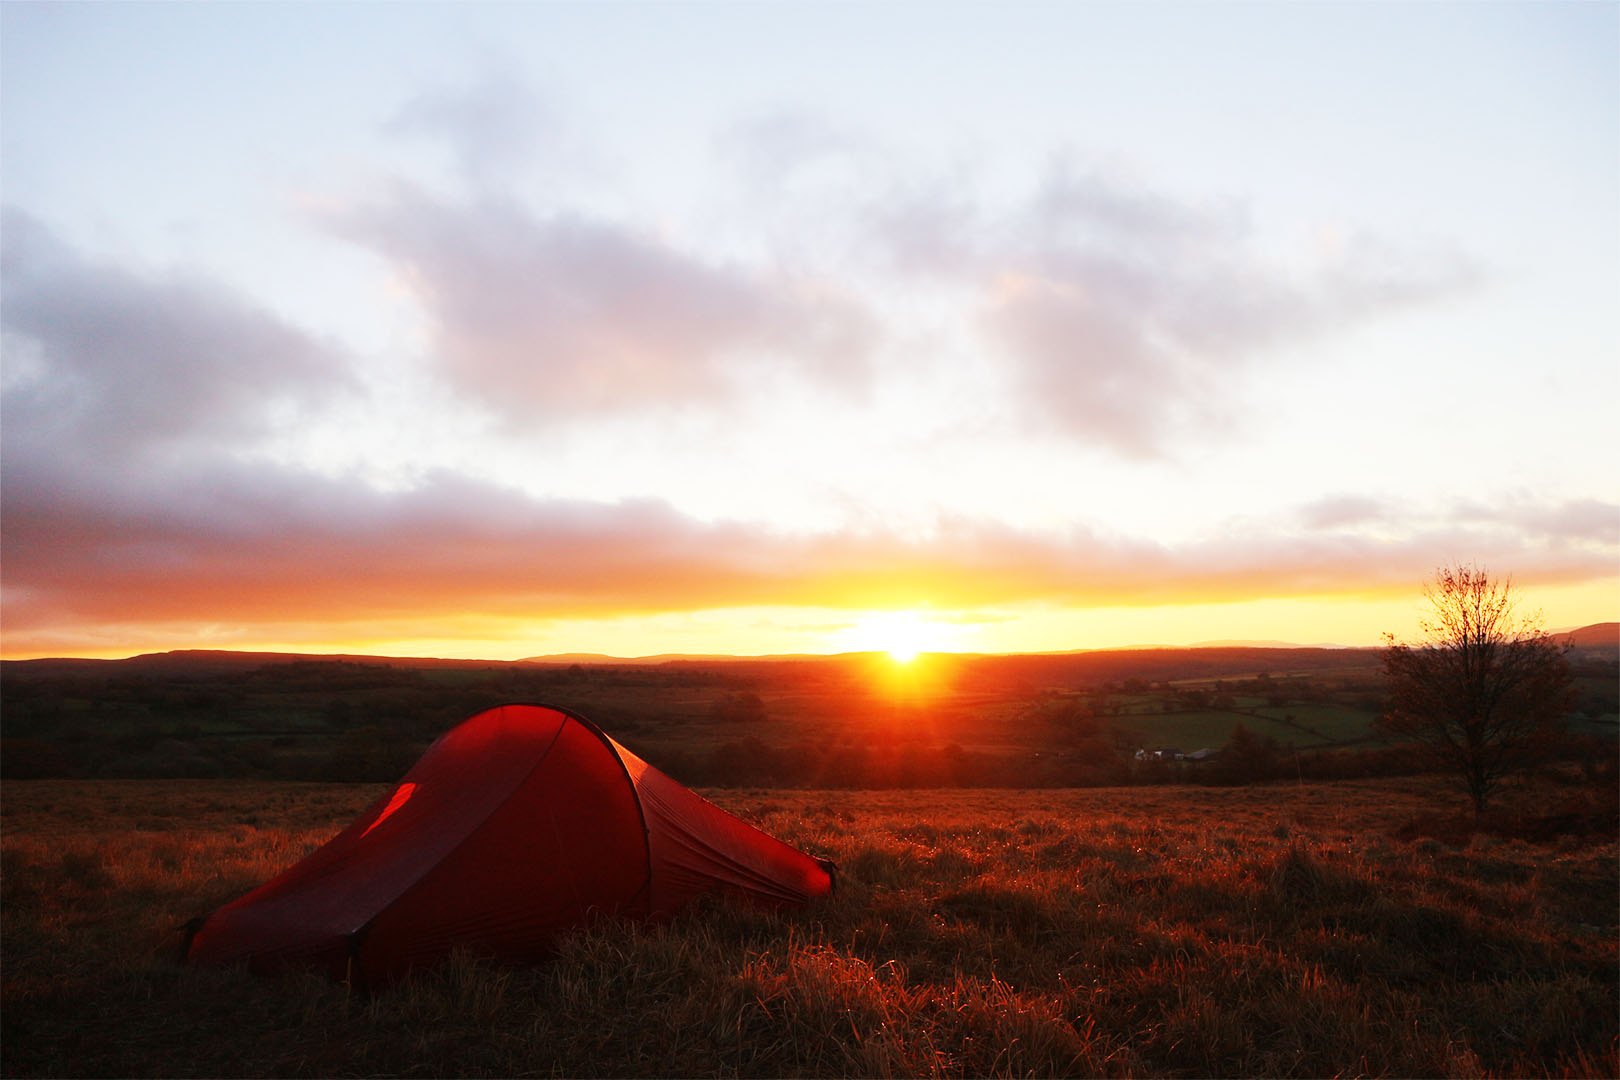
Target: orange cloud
{"points": [[267, 546]]}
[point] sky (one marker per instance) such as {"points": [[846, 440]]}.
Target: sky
{"points": [[519, 329]]}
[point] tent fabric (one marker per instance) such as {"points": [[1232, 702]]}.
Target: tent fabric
{"points": [[521, 822]]}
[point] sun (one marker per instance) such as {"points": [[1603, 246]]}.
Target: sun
{"points": [[903, 654], [904, 635]]}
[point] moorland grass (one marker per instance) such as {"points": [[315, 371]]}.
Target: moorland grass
{"points": [[1364, 928]]}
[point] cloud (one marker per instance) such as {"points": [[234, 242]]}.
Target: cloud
{"points": [[118, 365], [1135, 318], [131, 497], [1368, 276], [1574, 521], [1112, 313], [556, 318], [492, 125], [1129, 320], [1341, 510], [239, 545], [1116, 315], [1088, 364], [780, 146], [1586, 522], [1087, 208], [932, 230]]}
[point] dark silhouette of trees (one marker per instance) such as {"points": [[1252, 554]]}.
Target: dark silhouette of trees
{"points": [[1248, 758], [1487, 690]]}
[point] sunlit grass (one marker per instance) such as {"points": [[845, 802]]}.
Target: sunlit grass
{"points": [[1291, 930]]}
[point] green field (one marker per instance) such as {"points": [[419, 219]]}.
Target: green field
{"points": [[1302, 725]]}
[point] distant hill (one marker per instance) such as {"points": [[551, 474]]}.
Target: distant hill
{"points": [[219, 662], [1053, 668], [1241, 643], [1153, 661], [667, 658], [1598, 635], [593, 658]]}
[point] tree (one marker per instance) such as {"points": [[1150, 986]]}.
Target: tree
{"points": [[1487, 690], [1247, 757]]}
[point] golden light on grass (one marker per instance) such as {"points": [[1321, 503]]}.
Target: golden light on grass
{"points": [[1144, 931]]}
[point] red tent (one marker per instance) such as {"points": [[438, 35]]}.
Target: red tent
{"points": [[517, 824]]}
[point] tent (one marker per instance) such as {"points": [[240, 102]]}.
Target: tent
{"points": [[517, 824]]}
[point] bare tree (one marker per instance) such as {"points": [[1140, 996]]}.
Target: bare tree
{"points": [[1486, 689]]}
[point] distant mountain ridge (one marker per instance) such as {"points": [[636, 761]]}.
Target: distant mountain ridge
{"points": [[1246, 643], [1604, 635], [1593, 636]]}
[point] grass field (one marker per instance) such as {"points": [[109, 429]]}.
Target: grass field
{"points": [[1354, 928]]}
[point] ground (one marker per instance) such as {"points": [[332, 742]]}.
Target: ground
{"points": [[1362, 927]]}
